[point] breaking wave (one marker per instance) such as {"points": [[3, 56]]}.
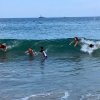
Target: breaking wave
{"points": [[18, 47]]}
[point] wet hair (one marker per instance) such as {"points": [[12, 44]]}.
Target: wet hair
{"points": [[41, 47], [91, 45], [76, 38]]}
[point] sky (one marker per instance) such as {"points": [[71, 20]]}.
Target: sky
{"points": [[49, 8]]}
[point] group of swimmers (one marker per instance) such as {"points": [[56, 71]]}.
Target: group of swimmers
{"points": [[42, 51], [30, 52]]}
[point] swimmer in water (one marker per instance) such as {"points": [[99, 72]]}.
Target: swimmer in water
{"points": [[3, 47], [42, 51], [91, 45], [30, 52], [76, 41]]}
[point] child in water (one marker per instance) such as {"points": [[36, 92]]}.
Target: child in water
{"points": [[42, 51], [30, 52]]}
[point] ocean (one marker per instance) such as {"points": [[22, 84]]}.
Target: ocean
{"points": [[68, 73]]}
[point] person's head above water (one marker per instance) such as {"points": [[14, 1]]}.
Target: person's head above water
{"points": [[29, 48], [91, 45], [41, 47]]}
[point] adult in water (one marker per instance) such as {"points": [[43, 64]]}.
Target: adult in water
{"points": [[30, 52], [91, 45], [3, 47], [42, 51], [75, 41]]}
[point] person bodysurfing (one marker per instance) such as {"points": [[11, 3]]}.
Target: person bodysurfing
{"points": [[91, 45]]}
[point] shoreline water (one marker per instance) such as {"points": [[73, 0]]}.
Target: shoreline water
{"points": [[70, 73]]}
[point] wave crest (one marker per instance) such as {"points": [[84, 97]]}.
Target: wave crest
{"points": [[52, 46]]}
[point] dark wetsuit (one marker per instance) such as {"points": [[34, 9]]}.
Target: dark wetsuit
{"points": [[43, 52], [91, 45]]}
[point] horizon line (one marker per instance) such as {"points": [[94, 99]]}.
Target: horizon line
{"points": [[51, 17]]}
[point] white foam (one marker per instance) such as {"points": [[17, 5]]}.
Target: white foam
{"points": [[35, 95], [65, 97], [12, 46], [45, 95], [85, 45], [90, 96]]}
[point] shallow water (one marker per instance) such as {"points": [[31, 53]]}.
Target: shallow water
{"points": [[67, 74]]}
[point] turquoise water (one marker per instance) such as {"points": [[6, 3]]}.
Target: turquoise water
{"points": [[69, 73], [49, 28]]}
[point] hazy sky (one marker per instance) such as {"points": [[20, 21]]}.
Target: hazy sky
{"points": [[49, 8]]}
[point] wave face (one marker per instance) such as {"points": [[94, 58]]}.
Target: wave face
{"points": [[61, 46]]}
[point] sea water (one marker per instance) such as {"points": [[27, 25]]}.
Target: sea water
{"points": [[68, 73]]}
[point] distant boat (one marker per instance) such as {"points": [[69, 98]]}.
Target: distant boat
{"points": [[41, 17]]}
